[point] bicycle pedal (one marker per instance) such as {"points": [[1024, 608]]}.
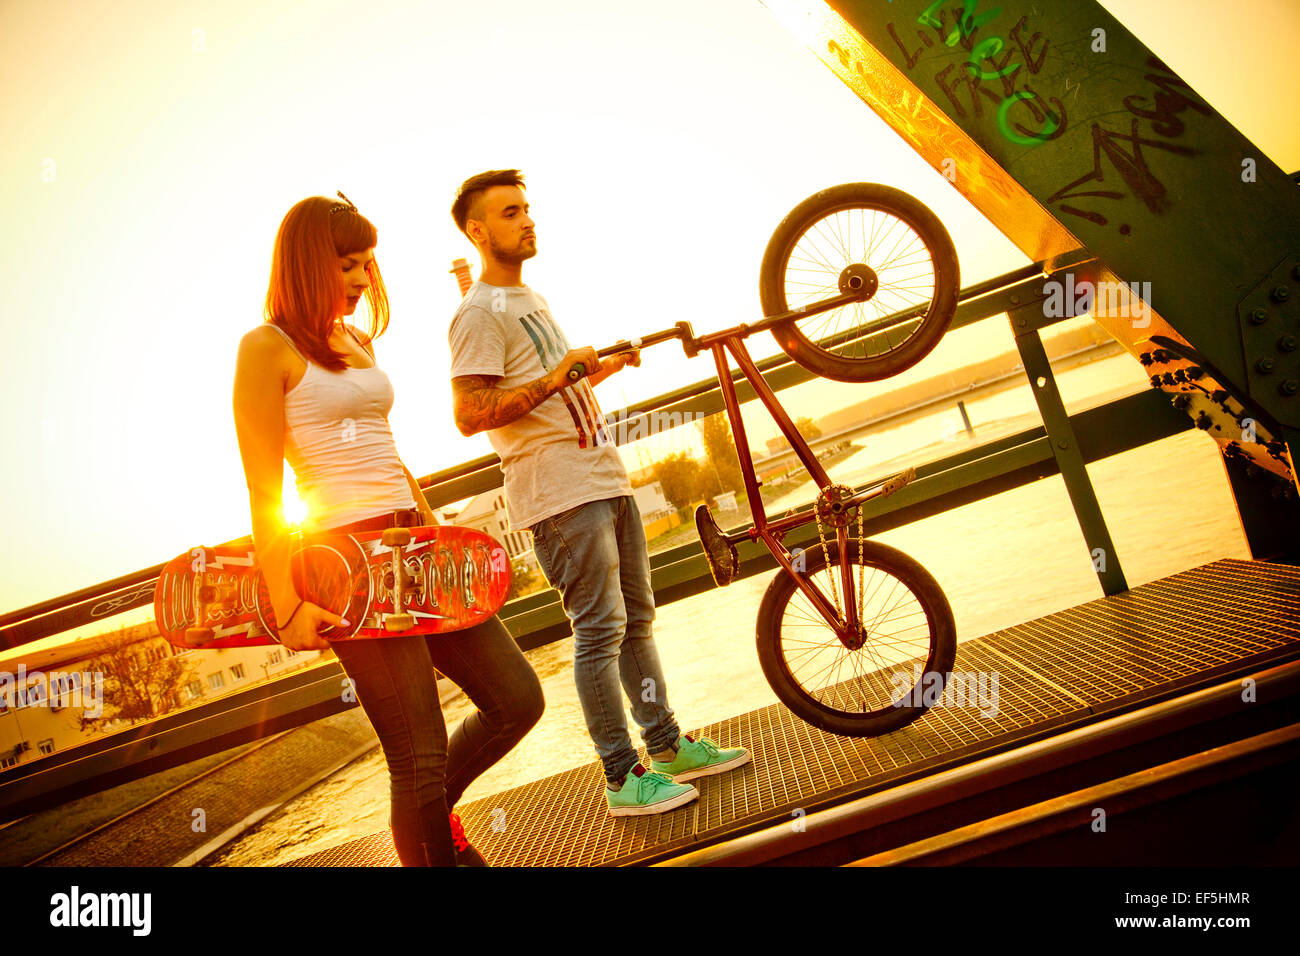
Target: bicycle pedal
{"points": [[724, 563], [897, 482]]}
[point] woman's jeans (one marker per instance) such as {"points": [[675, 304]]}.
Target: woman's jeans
{"points": [[396, 686], [595, 556]]}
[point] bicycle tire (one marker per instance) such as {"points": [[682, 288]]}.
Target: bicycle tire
{"points": [[883, 710], [821, 265]]}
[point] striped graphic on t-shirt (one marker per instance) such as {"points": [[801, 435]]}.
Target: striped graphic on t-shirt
{"points": [[551, 345]]}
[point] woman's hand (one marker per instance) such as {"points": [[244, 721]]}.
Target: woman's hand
{"points": [[301, 634]]}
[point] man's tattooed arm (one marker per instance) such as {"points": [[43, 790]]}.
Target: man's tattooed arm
{"points": [[479, 405]]}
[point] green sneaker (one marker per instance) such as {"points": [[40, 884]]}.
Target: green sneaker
{"points": [[700, 758], [644, 793]]}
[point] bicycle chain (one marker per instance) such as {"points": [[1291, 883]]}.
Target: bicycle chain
{"points": [[826, 556], [862, 569]]}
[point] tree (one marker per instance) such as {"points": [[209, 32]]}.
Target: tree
{"points": [[808, 428], [141, 678], [723, 473], [524, 579], [679, 475]]}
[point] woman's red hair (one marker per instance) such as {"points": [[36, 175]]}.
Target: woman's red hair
{"points": [[306, 294]]}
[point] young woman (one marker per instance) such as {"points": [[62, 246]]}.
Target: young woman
{"points": [[307, 389]]}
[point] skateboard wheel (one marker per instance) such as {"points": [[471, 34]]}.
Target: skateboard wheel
{"points": [[399, 622], [198, 636], [396, 537]]}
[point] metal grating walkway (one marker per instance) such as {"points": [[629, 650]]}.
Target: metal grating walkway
{"points": [[1063, 669]]}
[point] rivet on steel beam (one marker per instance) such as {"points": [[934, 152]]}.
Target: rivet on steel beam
{"points": [[1264, 366], [1020, 322], [1015, 300], [1258, 316], [1280, 293], [1062, 443], [1286, 343], [1289, 387]]}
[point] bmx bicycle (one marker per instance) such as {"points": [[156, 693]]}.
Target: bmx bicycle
{"points": [[858, 283]]}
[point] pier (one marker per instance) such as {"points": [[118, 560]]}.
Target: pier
{"points": [[1087, 696], [1147, 708]]}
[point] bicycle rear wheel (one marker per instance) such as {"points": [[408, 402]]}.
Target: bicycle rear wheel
{"points": [[860, 233], [908, 645]]}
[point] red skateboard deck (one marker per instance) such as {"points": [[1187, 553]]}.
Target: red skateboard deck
{"points": [[454, 578]]}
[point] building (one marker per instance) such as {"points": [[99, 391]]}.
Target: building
{"points": [[650, 501], [60, 697], [486, 512]]}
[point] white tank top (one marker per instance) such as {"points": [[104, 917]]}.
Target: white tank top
{"points": [[339, 445]]}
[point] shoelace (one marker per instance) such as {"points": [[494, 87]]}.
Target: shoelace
{"points": [[710, 747], [655, 779], [458, 834]]}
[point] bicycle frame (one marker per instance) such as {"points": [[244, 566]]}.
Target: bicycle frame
{"points": [[770, 531], [730, 342], [763, 529]]}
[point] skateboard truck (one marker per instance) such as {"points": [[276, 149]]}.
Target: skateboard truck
{"points": [[402, 579], [207, 597], [198, 636]]}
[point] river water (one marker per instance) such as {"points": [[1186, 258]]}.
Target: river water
{"points": [[1001, 561]]}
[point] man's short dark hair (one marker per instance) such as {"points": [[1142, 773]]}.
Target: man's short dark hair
{"points": [[472, 190]]}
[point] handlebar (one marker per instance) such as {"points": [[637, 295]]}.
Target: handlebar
{"points": [[682, 330], [579, 370], [692, 346]]}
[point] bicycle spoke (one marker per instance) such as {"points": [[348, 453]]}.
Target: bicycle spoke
{"points": [[895, 632], [891, 247]]}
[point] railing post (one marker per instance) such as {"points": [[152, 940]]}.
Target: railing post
{"points": [[1069, 459]]}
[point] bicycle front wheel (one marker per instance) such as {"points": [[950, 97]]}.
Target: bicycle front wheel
{"points": [[907, 645], [851, 236]]}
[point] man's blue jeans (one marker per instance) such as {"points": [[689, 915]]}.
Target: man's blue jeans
{"points": [[595, 556]]}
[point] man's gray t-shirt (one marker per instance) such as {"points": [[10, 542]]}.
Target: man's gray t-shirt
{"points": [[560, 454]]}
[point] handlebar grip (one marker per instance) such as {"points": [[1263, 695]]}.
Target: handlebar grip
{"points": [[577, 371]]}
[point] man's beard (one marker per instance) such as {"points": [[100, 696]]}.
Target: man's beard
{"points": [[512, 256]]}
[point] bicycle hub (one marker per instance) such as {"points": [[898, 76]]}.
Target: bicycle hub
{"points": [[861, 279]]}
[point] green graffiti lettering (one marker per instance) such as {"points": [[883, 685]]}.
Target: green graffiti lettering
{"points": [[1050, 127], [927, 18], [967, 23], [987, 49]]}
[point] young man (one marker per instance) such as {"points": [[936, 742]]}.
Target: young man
{"points": [[565, 480]]}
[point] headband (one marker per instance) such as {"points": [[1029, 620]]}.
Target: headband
{"points": [[345, 204]]}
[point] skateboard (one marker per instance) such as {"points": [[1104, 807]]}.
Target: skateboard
{"points": [[400, 581]]}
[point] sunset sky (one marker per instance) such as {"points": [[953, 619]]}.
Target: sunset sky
{"points": [[152, 148]]}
